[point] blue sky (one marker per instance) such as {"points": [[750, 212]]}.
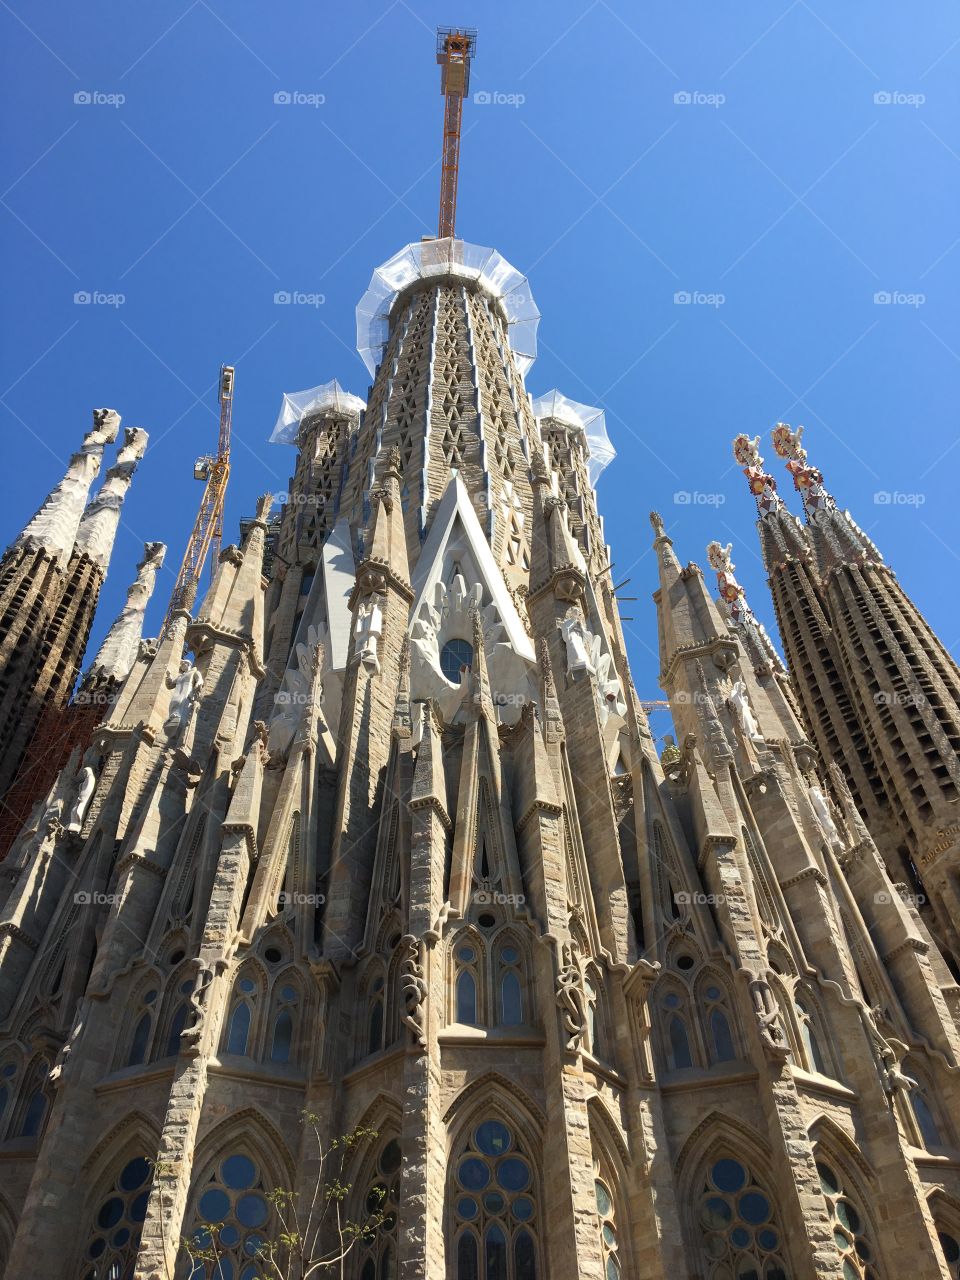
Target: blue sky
{"points": [[815, 165]]}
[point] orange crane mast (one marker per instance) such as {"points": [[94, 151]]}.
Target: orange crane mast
{"points": [[207, 530], [455, 50]]}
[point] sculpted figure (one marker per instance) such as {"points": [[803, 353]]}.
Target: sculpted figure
{"points": [[187, 688], [368, 630], [748, 721], [822, 809], [576, 638]]}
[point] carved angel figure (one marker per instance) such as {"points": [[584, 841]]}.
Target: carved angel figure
{"points": [[577, 639], [413, 989]]}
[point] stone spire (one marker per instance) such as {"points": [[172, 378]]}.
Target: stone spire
{"points": [[98, 524], [117, 654], [53, 529], [760, 648], [835, 535]]}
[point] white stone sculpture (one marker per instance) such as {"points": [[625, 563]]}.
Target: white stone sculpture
{"points": [[822, 810], [86, 781], [187, 688], [577, 639], [368, 630], [740, 702]]}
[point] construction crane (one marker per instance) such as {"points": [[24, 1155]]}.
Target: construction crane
{"points": [[455, 49], [207, 530]]}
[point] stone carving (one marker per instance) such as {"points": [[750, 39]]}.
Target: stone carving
{"points": [[413, 989], [54, 527], [576, 637], [740, 702], [187, 689], [299, 688], [762, 485], [450, 616], [807, 480], [821, 808], [656, 521], [367, 632], [767, 1012], [198, 1002], [68, 1046], [100, 520], [117, 654], [571, 997], [83, 788]]}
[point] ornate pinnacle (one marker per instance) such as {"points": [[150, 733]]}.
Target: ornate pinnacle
{"points": [[762, 485], [264, 503], [656, 521], [730, 589], [807, 480]]}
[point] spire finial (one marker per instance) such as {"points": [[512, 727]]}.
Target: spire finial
{"points": [[762, 485], [656, 521], [807, 480]]}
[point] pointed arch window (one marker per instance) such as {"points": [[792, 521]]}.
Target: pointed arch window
{"points": [[494, 1207], [851, 1230], [233, 1219], [950, 1244], [237, 1037], [717, 1018], [929, 1129], [607, 1226], [375, 1016], [597, 1030], [509, 992], [816, 1059], [739, 1225], [113, 1237], [140, 1040], [466, 986], [284, 1015], [378, 1246], [674, 1009]]}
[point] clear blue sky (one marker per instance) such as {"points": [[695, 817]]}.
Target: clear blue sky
{"points": [[783, 186]]}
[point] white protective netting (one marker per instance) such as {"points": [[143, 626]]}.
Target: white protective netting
{"points": [[447, 257], [591, 421], [297, 404]]}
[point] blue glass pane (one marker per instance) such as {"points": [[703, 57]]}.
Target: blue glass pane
{"points": [[509, 955], [247, 986], [524, 1257], [474, 1174], [214, 1205], [252, 1211], [493, 1202], [454, 655], [97, 1247], [729, 1175], [495, 1248], [513, 1174], [928, 1126], [138, 1210], [767, 1238], [253, 1244], [282, 1038], [138, 1045], [511, 1011], [716, 1213], [679, 1045], [723, 1050], [110, 1212], [238, 1172], [466, 998], [176, 1031], [754, 1207], [288, 993], [467, 1208], [492, 1138], [120, 1237], [375, 1033], [224, 1270], [390, 1157], [134, 1174], [740, 1236], [9, 1070], [522, 1209], [229, 1236], [33, 1120], [239, 1029], [468, 1267]]}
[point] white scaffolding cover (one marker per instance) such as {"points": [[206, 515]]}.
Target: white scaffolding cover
{"points": [[592, 422], [447, 257], [297, 404]]}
